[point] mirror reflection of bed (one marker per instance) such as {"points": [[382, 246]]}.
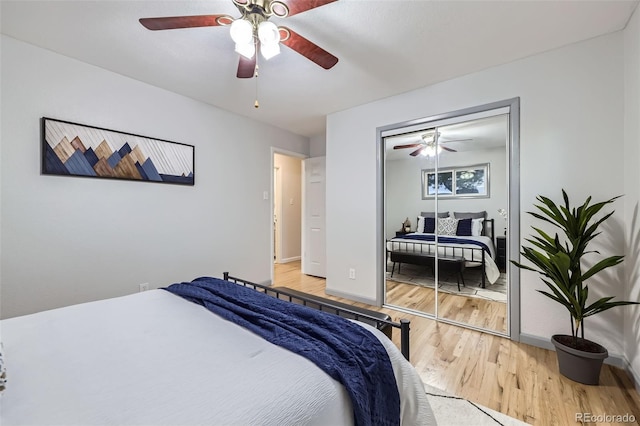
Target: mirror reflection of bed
{"points": [[449, 179]]}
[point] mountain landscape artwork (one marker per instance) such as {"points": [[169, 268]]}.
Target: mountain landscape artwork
{"points": [[79, 150]]}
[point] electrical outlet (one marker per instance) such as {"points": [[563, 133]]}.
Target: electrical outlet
{"points": [[144, 287], [352, 273]]}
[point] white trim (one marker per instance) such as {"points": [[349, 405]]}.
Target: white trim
{"points": [[353, 297], [290, 259], [634, 376]]}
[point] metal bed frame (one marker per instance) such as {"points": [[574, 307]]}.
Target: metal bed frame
{"points": [[327, 306], [428, 249]]}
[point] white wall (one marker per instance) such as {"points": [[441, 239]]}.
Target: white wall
{"points": [[68, 240], [318, 145], [632, 191], [290, 222], [404, 188], [571, 137]]}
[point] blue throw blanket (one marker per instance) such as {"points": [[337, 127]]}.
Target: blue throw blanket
{"points": [[446, 240], [344, 350]]}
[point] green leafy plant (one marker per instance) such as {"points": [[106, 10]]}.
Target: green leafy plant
{"points": [[560, 263]]}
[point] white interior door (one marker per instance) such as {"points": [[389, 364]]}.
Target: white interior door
{"points": [[314, 233]]}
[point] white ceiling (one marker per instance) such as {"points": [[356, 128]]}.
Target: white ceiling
{"points": [[385, 47], [474, 135]]}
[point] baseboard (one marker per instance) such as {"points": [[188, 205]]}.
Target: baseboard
{"points": [[613, 359], [634, 376], [290, 259], [349, 296]]}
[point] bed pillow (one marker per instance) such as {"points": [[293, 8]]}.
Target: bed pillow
{"points": [[472, 215], [426, 225], [429, 225], [464, 227], [433, 215], [476, 227], [447, 226]]}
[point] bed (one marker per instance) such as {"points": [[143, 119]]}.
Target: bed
{"points": [[464, 240], [161, 357]]}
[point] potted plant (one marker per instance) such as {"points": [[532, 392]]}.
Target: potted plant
{"points": [[559, 263]]}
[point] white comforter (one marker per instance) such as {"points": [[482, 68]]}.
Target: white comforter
{"points": [[491, 269], [154, 358]]}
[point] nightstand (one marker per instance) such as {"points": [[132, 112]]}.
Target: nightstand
{"points": [[401, 233], [501, 252]]}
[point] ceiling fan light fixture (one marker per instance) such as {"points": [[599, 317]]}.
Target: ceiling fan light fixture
{"points": [[241, 32], [269, 50], [269, 37], [247, 50], [430, 150], [268, 33]]}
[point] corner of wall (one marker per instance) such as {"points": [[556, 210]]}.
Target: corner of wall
{"points": [[318, 145], [631, 333]]}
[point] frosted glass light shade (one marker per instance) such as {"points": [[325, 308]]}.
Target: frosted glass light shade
{"points": [[268, 33], [241, 32], [269, 50], [247, 50]]}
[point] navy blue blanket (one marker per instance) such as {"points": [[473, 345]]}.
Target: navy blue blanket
{"points": [[446, 240], [344, 350]]}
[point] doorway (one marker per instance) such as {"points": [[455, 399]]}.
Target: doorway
{"points": [[286, 211]]}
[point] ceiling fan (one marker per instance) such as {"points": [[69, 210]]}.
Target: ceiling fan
{"points": [[427, 146], [253, 30]]}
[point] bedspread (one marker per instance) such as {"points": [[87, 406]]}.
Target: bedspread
{"points": [[345, 351], [153, 358], [468, 248]]}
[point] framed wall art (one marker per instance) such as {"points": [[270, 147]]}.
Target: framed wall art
{"points": [[456, 182], [72, 149]]}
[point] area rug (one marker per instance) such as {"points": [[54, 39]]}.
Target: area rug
{"points": [[448, 282], [452, 410]]}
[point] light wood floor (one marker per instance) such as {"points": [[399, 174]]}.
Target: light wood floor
{"points": [[478, 312], [519, 380]]}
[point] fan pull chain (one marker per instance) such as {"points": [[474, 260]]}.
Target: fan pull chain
{"points": [[256, 103]]}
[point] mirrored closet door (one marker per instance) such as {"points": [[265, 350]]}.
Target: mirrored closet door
{"points": [[446, 216]]}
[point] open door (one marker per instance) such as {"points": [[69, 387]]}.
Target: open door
{"points": [[314, 232]]}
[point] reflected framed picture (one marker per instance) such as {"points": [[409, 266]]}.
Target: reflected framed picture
{"points": [[472, 181], [456, 182], [73, 149], [443, 185]]}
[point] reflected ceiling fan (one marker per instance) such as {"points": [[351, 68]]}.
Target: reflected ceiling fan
{"points": [[253, 31], [427, 146]]}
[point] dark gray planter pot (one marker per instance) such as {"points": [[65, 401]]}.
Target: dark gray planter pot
{"points": [[580, 366]]}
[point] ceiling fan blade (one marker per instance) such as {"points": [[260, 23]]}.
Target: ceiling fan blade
{"points": [[411, 145], [298, 6], [417, 151], [448, 149], [175, 22], [246, 67], [307, 48]]}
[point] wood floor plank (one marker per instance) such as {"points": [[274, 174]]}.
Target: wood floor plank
{"points": [[513, 378]]}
